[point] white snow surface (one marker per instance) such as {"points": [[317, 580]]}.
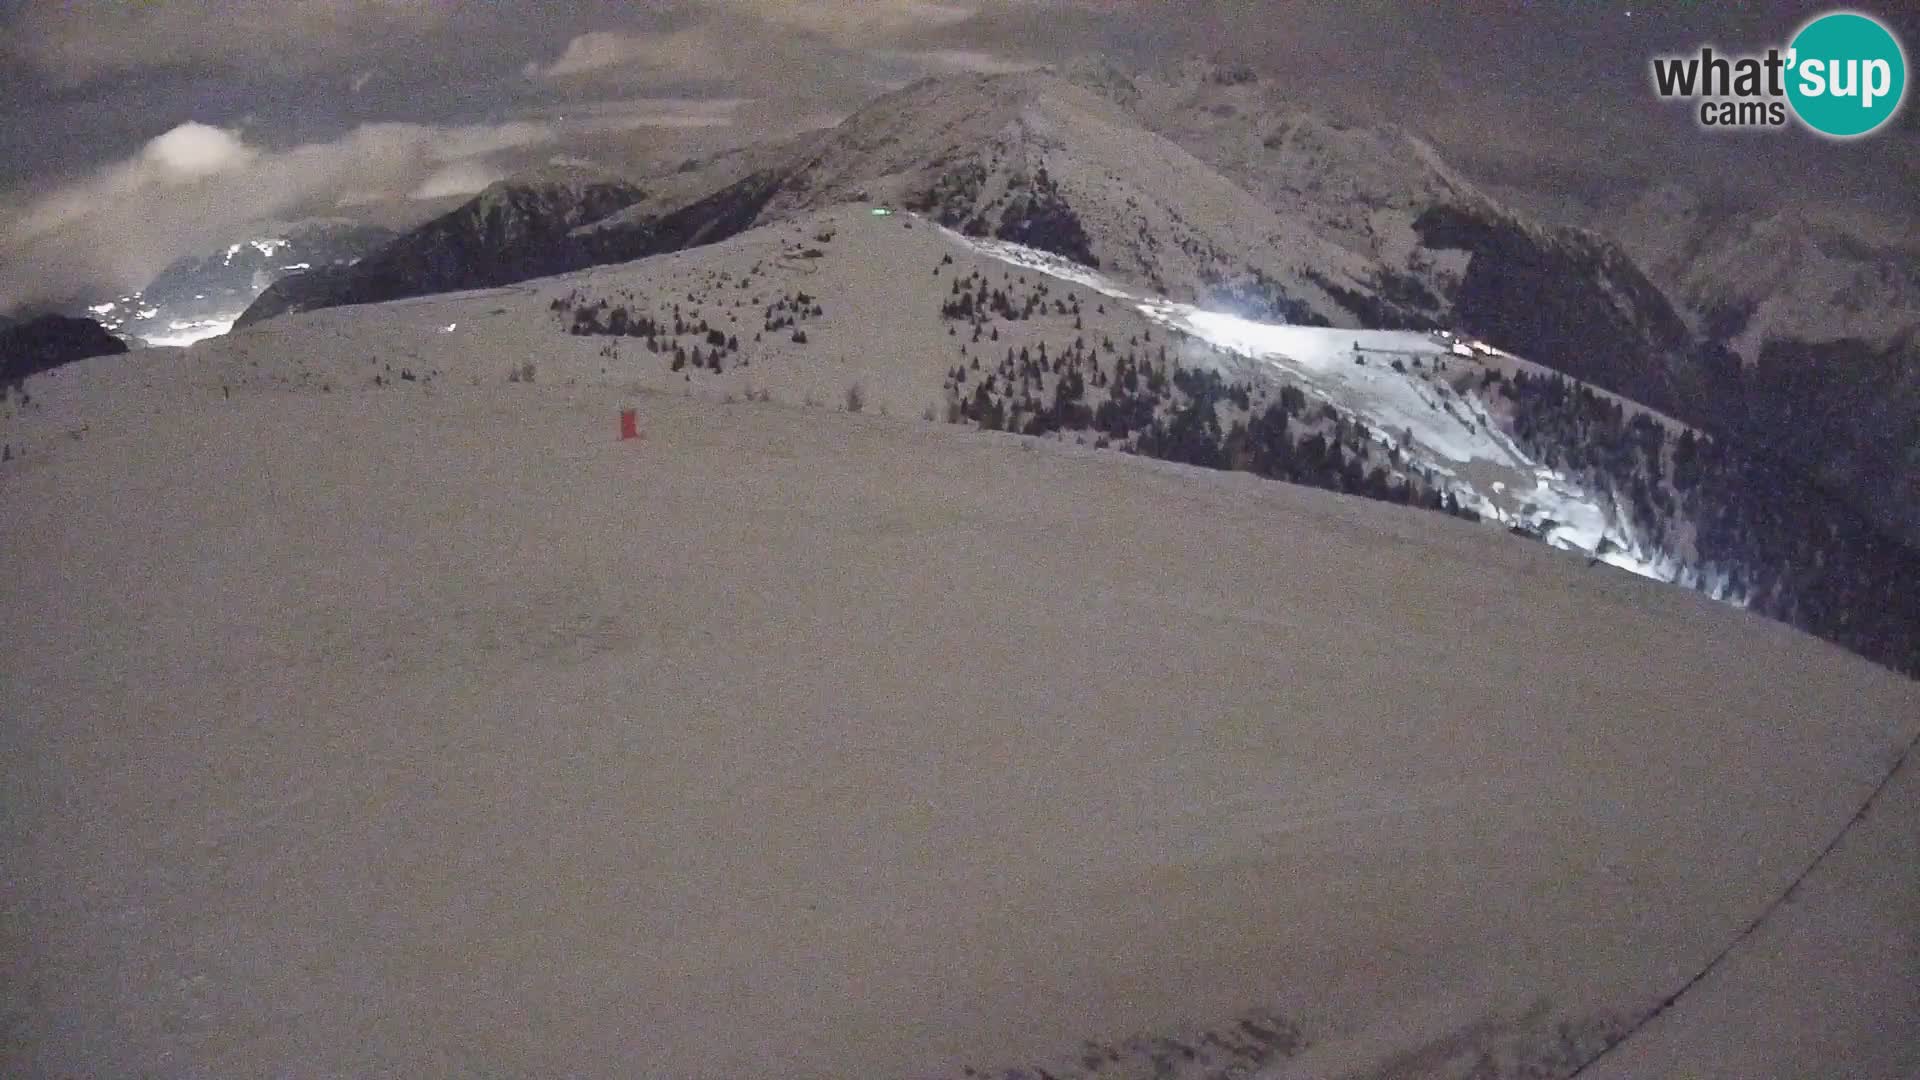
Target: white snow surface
{"points": [[183, 332], [1446, 434], [266, 246]]}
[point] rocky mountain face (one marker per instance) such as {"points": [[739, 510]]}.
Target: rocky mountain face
{"points": [[43, 343], [1276, 214], [1750, 274], [514, 230], [1812, 330], [1030, 157], [1037, 160], [200, 296], [1359, 187], [1570, 299]]}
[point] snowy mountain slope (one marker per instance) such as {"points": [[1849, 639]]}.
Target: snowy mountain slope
{"points": [[1416, 393], [1439, 251], [893, 314], [788, 742], [1206, 186], [1292, 218]]}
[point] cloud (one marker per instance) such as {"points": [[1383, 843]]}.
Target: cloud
{"points": [[790, 43], [853, 22], [193, 152], [690, 53], [949, 61], [631, 114], [193, 187], [73, 43], [463, 178], [476, 140]]}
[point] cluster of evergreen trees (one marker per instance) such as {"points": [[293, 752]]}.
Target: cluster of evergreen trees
{"points": [[1138, 399], [972, 300], [709, 346], [951, 198], [1794, 552], [789, 312], [1037, 214], [1033, 211], [708, 350]]}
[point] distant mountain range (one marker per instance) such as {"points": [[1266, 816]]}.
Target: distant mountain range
{"points": [[199, 297], [1066, 164], [1200, 185], [1813, 328]]}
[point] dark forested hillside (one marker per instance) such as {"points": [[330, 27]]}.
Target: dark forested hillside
{"points": [[1793, 551], [41, 344]]}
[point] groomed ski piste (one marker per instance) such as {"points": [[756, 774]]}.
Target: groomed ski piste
{"points": [[1445, 434]]}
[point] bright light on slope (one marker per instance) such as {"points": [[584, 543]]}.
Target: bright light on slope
{"points": [[1445, 433], [181, 333]]}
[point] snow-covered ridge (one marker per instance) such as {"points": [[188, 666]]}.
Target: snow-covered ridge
{"points": [[1395, 384]]}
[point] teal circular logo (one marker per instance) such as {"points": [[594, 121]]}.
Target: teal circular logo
{"points": [[1846, 74]]}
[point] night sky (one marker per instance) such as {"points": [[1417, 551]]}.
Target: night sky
{"points": [[309, 105]]}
